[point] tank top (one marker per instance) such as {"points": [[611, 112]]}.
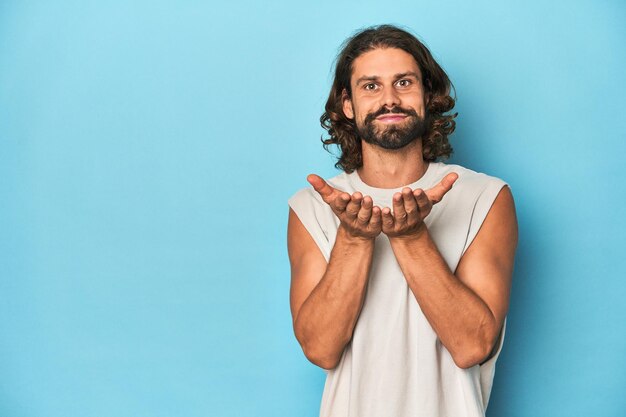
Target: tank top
{"points": [[395, 365]]}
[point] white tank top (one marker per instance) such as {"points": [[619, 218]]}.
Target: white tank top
{"points": [[395, 365]]}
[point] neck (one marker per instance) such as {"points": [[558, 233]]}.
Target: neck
{"points": [[383, 168]]}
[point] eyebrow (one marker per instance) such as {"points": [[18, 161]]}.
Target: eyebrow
{"points": [[396, 76]]}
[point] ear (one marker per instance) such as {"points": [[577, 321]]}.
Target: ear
{"points": [[348, 110]]}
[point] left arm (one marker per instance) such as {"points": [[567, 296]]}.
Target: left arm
{"points": [[465, 308]]}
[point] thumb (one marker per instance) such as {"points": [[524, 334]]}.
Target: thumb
{"points": [[436, 193], [321, 186]]}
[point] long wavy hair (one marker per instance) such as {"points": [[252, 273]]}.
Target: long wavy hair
{"points": [[437, 85]]}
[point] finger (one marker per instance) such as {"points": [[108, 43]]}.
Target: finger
{"points": [[436, 193], [376, 219], [326, 191], [365, 213], [387, 219], [423, 203], [410, 205], [353, 207], [340, 203], [399, 214]]}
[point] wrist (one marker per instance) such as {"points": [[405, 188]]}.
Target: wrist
{"points": [[419, 236], [354, 239]]}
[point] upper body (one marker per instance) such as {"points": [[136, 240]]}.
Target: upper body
{"points": [[395, 363], [386, 113]]}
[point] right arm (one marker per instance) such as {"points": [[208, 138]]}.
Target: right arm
{"points": [[326, 298]]}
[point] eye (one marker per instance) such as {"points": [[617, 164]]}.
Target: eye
{"points": [[403, 83], [369, 87]]}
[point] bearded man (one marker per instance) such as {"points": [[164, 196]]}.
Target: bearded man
{"points": [[401, 265]]}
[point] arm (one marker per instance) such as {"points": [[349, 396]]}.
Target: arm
{"points": [[466, 308], [326, 298]]}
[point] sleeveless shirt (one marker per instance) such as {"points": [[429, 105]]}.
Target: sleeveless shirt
{"points": [[395, 365]]}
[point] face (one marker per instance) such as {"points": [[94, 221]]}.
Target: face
{"points": [[388, 100]]}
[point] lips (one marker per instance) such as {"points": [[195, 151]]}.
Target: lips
{"points": [[391, 118], [394, 115]]}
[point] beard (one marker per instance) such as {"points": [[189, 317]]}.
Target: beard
{"points": [[395, 136]]}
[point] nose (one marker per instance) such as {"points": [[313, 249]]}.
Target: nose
{"points": [[390, 97]]}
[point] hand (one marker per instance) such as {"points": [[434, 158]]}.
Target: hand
{"points": [[357, 214], [410, 208]]}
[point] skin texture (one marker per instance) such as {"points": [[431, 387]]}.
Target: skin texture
{"points": [[466, 307]]}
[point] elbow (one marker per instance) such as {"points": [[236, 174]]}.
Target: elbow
{"points": [[319, 354], [468, 360], [474, 354], [325, 360], [318, 350]]}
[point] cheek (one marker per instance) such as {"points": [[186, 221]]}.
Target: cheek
{"points": [[361, 115], [364, 108]]}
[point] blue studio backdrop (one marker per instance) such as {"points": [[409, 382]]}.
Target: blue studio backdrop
{"points": [[147, 151]]}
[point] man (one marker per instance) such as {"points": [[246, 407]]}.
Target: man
{"points": [[401, 265]]}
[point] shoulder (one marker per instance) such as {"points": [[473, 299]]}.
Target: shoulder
{"points": [[470, 199], [468, 177], [316, 216], [470, 183]]}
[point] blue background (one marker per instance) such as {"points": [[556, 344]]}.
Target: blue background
{"points": [[147, 150]]}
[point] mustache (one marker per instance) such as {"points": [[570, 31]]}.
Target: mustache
{"points": [[384, 110]]}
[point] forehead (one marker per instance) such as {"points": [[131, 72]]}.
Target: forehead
{"points": [[383, 63]]}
